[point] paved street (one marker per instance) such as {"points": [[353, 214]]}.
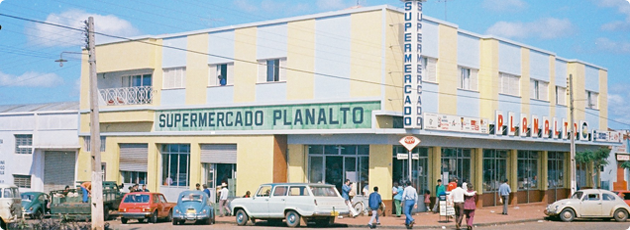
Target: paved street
{"points": [[547, 225]]}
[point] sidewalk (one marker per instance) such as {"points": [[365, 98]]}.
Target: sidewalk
{"points": [[483, 217]]}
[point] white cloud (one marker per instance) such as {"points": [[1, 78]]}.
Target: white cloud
{"points": [[331, 4], [618, 96], [245, 5], [607, 45], [504, 5], [623, 6], [47, 35], [545, 28], [31, 79]]}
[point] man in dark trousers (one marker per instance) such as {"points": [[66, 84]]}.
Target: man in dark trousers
{"points": [[374, 203], [504, 193]]}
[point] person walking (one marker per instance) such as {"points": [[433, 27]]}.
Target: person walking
{"points": [[457, 197], [410, 201], [375, 203], [397, 190], [439, 190], [469, 207], [504, 194], [223, 200], [345, 193]]}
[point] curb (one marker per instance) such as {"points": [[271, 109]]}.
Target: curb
{"points": [[418, 226]]}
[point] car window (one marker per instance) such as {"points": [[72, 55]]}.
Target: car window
{"points": [[264, 191], [608, 197], [323, 191], [280, 191], [8, 193], [162, 199], [298, 191], [626, 196], [16, 193], [27, 197], [191, 197], [156, 200], [42, 198], [591, 197], [577, 195], [136, 198]]}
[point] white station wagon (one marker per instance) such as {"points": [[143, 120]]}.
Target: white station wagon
{"points": [[319, 203], [590, 203]]}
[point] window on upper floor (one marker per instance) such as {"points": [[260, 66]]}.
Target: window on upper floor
{"points": [[538, 90], [88, 143], [23, 143], [22, 181], [561, 95], [221, 74], [591, 99], [429, 69], [509, 84], [174, 78], [272, 70], [467, 78], [137, 80]]}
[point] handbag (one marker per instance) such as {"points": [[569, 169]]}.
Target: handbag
{"points": [[352, 193]]}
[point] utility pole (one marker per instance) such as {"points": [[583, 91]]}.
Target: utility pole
{"points": [[98, 221], [573, 168]]}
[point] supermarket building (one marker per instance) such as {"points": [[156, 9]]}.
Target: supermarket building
{"points": [[319, 98]]}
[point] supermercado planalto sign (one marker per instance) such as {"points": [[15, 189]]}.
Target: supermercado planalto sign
{"points": [[351, 115], [508, 124]]}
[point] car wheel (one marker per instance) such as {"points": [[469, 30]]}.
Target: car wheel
{"points": [[142, 220], [359, 207], [124, 220], [169, 218], [154, 217], [241, 217], [106, 213], [38, 215], [293, 219], [567, 215], [621, 215], [175, 222]]}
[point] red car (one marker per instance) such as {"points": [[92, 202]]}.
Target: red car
{"points": [[624, 194], [145, 206]]}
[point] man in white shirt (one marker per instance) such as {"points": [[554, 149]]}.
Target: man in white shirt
{"points": [[410, 200], [457, 196], [223, 199]]}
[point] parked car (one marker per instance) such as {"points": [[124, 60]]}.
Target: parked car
{"points": [[319, 203], [142, 206], [193, 206], [624, 194], [589, 203], [10, 203], [35, 204]]}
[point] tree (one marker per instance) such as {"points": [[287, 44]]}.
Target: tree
{"points": [[625, 165], [598, 158]]}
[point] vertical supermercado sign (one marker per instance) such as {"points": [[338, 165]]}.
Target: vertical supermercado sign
{"points": [[412, 65]]}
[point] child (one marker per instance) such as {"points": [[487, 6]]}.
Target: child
{"points": [[427, 199]]}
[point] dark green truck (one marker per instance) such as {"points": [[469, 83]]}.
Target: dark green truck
{"points": [[68, 205]]}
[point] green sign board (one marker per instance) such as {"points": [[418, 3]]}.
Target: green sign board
{"points": [[351, 115]]}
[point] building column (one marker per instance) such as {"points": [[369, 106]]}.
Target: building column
{"points": [[477, 175], [544, 174], [380, 172], [513, 175], [297, 160], [195, 164], [436, 160], [153, 167]]}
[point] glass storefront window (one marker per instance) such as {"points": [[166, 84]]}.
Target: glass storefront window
{"points": [[456, 163], [555, 164], [420, 168], [527, 170], [494, 169], [333, 164], [130, 177], [175, 165]]}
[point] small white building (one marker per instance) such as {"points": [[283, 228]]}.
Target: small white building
{"points": [[38, 145]]}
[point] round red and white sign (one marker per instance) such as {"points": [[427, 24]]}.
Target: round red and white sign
{"points": [[409, 142]]}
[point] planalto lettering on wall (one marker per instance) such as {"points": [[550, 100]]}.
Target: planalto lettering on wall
{"points": [[307, 116]]}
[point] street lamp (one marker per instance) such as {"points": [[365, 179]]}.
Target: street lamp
{"points": [[61, 60]]}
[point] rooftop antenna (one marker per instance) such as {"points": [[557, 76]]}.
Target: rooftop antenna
{"points": [[445, 12]]}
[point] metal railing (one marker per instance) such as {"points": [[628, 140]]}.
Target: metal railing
{"points": [[127, 95]]}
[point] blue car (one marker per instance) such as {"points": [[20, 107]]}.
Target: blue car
{"points": [[193, 206], [35, 204]]}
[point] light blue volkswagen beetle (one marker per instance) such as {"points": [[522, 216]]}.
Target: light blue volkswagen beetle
{"points": [[193, 206]]}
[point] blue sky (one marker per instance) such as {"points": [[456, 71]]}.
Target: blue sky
{"points": [[594, 31]]}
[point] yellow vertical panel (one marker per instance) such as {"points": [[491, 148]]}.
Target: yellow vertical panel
{"points": [[478, 170], [246, 73], [197, 69], [544, 172], [513, 169], [436, 160], [300, 56], [447, 70], [297, 164], [381, 169], [552, 87], [158, 75], [123, 56], [489, 78], [603, 99], [524, 81], [84, 163], [254, 163], [366, 54], [195, 164], [393, 62], [153, 166], [579, 90]]}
